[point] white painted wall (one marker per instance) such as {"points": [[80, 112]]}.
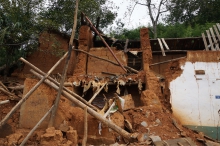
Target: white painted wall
{"points": [[193, 97]]}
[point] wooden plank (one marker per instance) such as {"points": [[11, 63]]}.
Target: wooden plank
{"points": [[205, 42], [210, 40], [216, 31], [165, 44], [214, 38], [161, 47]]}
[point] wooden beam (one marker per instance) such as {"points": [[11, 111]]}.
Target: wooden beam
{"points": [[161, 47], [165, 44], [55, 82], [4, 102], [210, 40], [84, 141], [113, 54], [36, 126], [214, 38], [57, 100], [17, 106], [108, 123], [216, 31], [97, 92], [205, 42], [167, 61]]}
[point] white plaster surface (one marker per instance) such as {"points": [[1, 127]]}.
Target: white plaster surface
{"points": [[194, 97]]}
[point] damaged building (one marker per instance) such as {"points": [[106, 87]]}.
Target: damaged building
{"points": [[146, 92]]}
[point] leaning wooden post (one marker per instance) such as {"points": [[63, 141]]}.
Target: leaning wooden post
{"points": [[30, 92], [56, 104], [97, 92], [87, 19], [105, 121], [84, 141], [55, 82], [36, 126]]}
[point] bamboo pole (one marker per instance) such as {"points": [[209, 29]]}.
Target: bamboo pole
{"points": [[36, 126], [4, 102], [96, 93], [167, 61], [108, 123], [29, 93], [84, 141], [104, 42], [57, 100], [127, 67], [57, 83]]}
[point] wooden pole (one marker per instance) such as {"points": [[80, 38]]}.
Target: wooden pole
{"points": [[29, 93], [55, 82], [87, 19], [57, 100], [3, 86], [108, 123], [6, 92], [96, 93], [127, 67], [167, 61], [4, 102], [84, 141], [36, 126]]}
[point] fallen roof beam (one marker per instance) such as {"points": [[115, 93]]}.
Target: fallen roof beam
{"points": [[30, 92], [108, 123], [58, 84]]}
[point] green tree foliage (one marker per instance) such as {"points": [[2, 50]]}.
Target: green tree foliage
{"points": [[59, 14], [17, 29], [21, 21], [176, 30], [193, 12]]}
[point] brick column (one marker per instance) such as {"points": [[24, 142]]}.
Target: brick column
{"points": [[146, 48], [85, 42]]}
